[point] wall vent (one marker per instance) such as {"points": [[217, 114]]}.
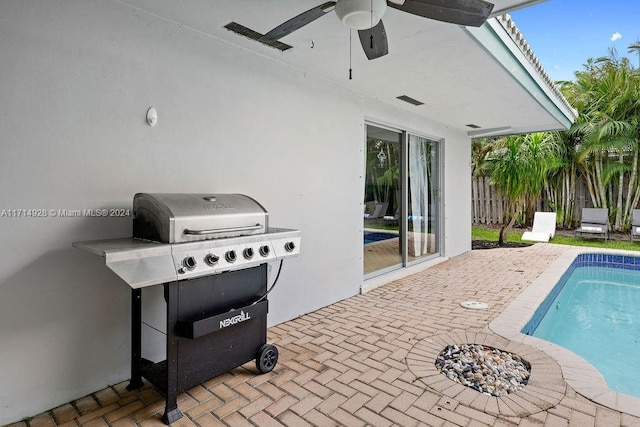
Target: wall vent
{"points": [[410, 100], [472, 126], [254, 35]]}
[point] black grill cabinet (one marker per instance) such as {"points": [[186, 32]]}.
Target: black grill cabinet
{"points": [[214, 324]]}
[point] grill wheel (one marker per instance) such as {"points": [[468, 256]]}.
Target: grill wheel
{"points": [[267, 358]]}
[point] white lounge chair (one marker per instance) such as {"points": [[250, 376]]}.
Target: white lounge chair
{"points": [[544, 227]]}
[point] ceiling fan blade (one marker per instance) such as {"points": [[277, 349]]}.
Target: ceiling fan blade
{"points": [[462, 12], [377, 46], [298, 22]]}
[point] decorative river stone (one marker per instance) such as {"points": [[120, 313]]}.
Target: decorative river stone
{"points": [[486, 369]]}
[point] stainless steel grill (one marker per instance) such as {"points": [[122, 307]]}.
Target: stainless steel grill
{"points": [[179, 218], [183, 236], [210, 253]]}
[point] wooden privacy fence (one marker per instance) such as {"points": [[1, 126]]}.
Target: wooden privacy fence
{"points": [[487, 206]]}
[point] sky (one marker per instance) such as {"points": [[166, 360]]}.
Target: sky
{"points": [[565, 33]]}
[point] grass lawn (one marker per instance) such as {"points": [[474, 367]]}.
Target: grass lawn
{"points": [[490, 234]]}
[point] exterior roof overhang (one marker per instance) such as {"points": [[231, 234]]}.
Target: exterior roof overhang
{"points": [[486, 77]]}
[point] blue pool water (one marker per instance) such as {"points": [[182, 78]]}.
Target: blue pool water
{"points": [[376, 236], [594, 311]]}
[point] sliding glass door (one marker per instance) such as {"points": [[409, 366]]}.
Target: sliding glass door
{"points": [[382, 200], [401, 200], [423, 209]]}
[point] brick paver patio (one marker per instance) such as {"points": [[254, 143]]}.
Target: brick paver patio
{"points": [[359, 362]]}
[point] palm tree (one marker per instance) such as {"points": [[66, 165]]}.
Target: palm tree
{"points": [[561, 185], [635, 48], [519, 167], [602, 147], [606, 95]]}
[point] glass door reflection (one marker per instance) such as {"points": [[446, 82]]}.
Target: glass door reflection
{"points": [[382, 200], [423, 198]]}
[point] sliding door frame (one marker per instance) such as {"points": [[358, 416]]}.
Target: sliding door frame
{"points": [[404, 204]]}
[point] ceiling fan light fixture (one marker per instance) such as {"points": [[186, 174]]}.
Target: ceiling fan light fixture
{"points": [[360, 14]]}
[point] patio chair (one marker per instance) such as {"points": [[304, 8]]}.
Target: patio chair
{"points": [[544, 227], [594, 223], [635, 224], [380, 210]]}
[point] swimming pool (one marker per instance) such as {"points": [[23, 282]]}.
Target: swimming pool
{"points": [[376, 236], [594, 311]]}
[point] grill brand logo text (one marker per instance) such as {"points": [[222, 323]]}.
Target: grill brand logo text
{"points": [[234, 319], [216, 206]]}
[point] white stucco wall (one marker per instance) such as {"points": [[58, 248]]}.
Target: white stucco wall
{"points": [[457, 196], [76, 80]]}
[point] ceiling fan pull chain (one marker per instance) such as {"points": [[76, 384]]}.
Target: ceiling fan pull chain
{"points": [[371, 36], [350, 33]]}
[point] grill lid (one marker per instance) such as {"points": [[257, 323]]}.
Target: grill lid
{"points": [[179, 217]]}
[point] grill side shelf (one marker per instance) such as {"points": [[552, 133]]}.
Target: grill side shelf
{"points": [[201, 327], [139, 263]]}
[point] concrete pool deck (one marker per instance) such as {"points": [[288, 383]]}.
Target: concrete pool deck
{"points": [[368, 360]]}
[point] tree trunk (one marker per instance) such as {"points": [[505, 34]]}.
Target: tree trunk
{"points": [[573, 179], [590, 187], [618, 222], [564, 203], [602, 194], [636, 198], [632, 186], [506, 228]]}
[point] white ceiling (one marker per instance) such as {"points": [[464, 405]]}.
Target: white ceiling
{"points": [[436, 63]]}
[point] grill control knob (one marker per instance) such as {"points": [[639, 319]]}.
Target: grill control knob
{"points": [[189, 263], [248, 253], [289, 246], [264, 250], [211, 259], [230, 256]]}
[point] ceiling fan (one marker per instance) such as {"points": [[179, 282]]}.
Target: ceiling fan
{"points": [[365, 16]]}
